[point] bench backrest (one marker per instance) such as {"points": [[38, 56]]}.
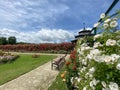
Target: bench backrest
{"points": [[60, 60]]}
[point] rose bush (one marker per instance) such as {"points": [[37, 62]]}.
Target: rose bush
{"points": [[6, 57], [50, 48], [98, 63]]}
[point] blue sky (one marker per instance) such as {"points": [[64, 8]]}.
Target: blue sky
{"points": [[42, 21]]}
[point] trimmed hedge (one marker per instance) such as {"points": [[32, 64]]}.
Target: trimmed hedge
{"points": [[50, 48]]}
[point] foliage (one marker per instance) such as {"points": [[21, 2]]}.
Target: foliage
{"points": [[3, 41], [12, 40], [71, 74], [99, 63]]}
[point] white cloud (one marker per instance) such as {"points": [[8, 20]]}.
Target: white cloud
{"points": [[25, 14], [41, 36], [88, 28]]}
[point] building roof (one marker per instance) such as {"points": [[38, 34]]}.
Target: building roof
{"points": [[74, 41], [82, 35]]}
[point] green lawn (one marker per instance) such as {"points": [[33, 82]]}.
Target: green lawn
{"points": [[23, 64], [58, 84]]}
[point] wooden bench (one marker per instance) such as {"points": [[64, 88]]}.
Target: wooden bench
{"points": [[58, 63]]}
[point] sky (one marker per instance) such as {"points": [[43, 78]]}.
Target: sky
{"points": [[48, 21]]}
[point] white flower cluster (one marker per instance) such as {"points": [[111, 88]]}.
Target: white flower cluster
{"points": [[94, 54], [111, 86], [93, 83], [83, 69], [102, 15], [110, 23], [118, 66], [97, 44], [102, 58], [74, 79], [84, 47], [84, 62], [97, 36], [111, 42], [92, 70], [111, 59]]}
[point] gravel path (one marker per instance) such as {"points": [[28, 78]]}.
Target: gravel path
{"points": [[37, 53], [37, 79]]}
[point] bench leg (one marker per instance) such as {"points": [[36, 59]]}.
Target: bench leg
{"points": [[58, 67], [52, 66]]}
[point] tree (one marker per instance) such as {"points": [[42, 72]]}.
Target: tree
{"points": [[12, 40], [3, 40]]}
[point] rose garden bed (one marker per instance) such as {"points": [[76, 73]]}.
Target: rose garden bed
{"points": [[7, 57]]}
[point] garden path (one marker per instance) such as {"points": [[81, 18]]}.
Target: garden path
{"points": [[38, 79]]}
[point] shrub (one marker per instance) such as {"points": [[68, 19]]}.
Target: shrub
{"points": [[7, 57], [35, 56]]}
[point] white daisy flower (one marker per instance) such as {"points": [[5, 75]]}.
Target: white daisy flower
{"points": [[115, 57], [118, 66], [97, 44], [113, 24], [107, 59], [92, 70], [105, 25], [113, 86], [115, 19], [84, 88], [107, 20], [104, 84], [111, 42], [102, 15]]}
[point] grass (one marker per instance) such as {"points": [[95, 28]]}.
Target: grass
{"points": [[23, 64], [58, 84]]}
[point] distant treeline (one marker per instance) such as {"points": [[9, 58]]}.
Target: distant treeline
{"points": [[9, 40]]}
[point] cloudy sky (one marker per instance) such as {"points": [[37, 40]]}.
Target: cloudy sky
{"points": [[43, 21]]}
